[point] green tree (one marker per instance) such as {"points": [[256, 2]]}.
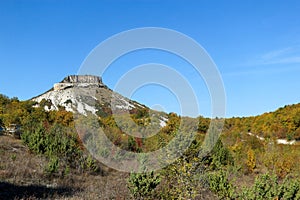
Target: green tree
{"points": [[221, 155]]}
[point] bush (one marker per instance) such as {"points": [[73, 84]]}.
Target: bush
{"points": [[219, 184], [53, 165], [90, 164], [141, 185], [266, 186], [290, 190]]}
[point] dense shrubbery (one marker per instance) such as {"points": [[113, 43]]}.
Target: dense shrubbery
{"points": [[61, 147], [267, 186]]}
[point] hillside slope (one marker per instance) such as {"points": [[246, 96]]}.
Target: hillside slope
{"points": [[284, 123]]}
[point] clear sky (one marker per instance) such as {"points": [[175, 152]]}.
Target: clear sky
{"points": [[255, 45]]}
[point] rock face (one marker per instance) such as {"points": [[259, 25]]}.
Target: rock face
{"points": [[78, 81]]}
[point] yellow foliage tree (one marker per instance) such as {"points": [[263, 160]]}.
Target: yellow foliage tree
{"points": [[251, 160]]}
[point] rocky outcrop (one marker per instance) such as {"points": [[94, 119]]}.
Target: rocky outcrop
{"points": [[78, 81], [82, 79]]}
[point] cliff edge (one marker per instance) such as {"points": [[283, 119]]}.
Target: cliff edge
{"points": [[78, 81]]}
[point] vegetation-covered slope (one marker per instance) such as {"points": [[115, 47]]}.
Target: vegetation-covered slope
{"points": [[282, 123], [240, 166]]}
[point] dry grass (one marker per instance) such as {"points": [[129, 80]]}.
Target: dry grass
{"points": [[22, 176]]}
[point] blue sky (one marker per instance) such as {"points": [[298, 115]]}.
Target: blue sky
{"points": [[255, 45]]}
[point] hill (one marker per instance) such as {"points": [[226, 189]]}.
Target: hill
{"points": [[284, 123], [82, 94]]}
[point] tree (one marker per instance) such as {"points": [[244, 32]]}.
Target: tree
{"points": [[251, 161], [221, 156], [203, 125]]}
